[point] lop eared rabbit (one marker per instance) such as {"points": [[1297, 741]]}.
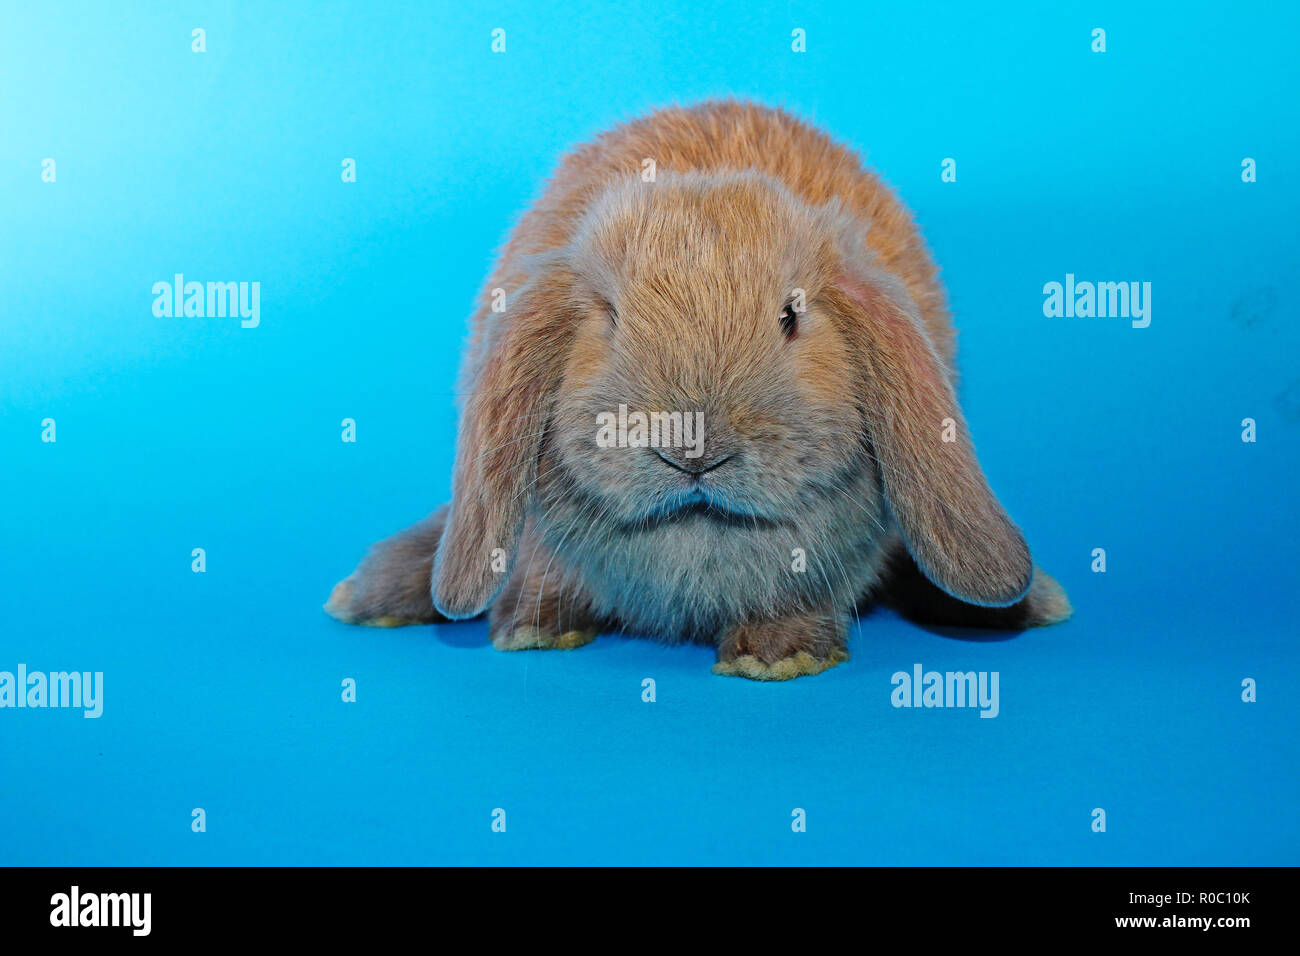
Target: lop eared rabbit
{"points": [[760, 277]]}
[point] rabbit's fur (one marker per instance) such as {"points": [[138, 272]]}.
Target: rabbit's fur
{"points": [[670, 295]]}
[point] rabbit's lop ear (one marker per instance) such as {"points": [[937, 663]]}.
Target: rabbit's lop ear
{"points": [[506, 413], [955, 529]]}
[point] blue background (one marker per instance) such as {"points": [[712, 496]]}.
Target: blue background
{"points": [[222, 690]]}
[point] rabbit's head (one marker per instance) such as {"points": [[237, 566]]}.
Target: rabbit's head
{"points": [[725, 301]]}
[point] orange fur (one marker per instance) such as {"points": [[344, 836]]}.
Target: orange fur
{"points": [[822, 437]]}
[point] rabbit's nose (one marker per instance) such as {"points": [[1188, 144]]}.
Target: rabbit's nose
{"points": [[677, 458]]}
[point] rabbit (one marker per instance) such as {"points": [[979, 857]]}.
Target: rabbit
{"points": [[752, 272]]}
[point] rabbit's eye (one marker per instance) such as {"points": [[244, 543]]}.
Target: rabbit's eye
{"points": [[613, 316], [789, 320]]}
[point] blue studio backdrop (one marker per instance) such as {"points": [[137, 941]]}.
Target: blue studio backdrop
{"points": [[1031, 148]]}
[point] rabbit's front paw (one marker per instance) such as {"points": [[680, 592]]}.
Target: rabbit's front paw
{"points": [[534, 639], [799, 664], [541, 608], [791, 647]]}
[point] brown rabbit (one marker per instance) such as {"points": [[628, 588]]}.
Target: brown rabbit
{"points": [[763, 279]]}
